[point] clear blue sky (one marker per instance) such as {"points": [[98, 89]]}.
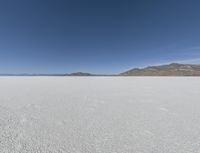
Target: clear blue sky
{"points": [[99, 36]]}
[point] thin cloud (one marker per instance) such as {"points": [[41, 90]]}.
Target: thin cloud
{"points": [[189, 61], [194, 48], [182, 61]]}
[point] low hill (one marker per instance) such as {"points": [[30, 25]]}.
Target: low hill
{"points": [[173, 69], [80, 74]]}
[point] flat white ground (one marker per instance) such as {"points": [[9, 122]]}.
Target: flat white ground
{"points": [[99, 115]]}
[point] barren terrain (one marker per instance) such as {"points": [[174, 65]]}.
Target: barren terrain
{"points": [[99, 115]]}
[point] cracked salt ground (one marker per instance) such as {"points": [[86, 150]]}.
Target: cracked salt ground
{"points": [[99, 114], [9, 124]]}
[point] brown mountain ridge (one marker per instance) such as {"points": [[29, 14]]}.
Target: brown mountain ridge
{"points": [[173, 69]]}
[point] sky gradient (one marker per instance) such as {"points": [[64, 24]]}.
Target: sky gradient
{"points": [[98, 36]]}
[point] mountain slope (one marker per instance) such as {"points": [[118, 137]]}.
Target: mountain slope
{"points": [[173, 69]]}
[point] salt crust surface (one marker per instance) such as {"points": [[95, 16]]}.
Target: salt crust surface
{"points": [[99, 115]]}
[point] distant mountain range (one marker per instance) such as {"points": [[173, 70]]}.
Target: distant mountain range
{"points": [[80, 74], [86, 74], [173, 69]]}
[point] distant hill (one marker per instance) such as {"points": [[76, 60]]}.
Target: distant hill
{"points": [[80, 74], [173, 69], [29, 74], [86, 74]]}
